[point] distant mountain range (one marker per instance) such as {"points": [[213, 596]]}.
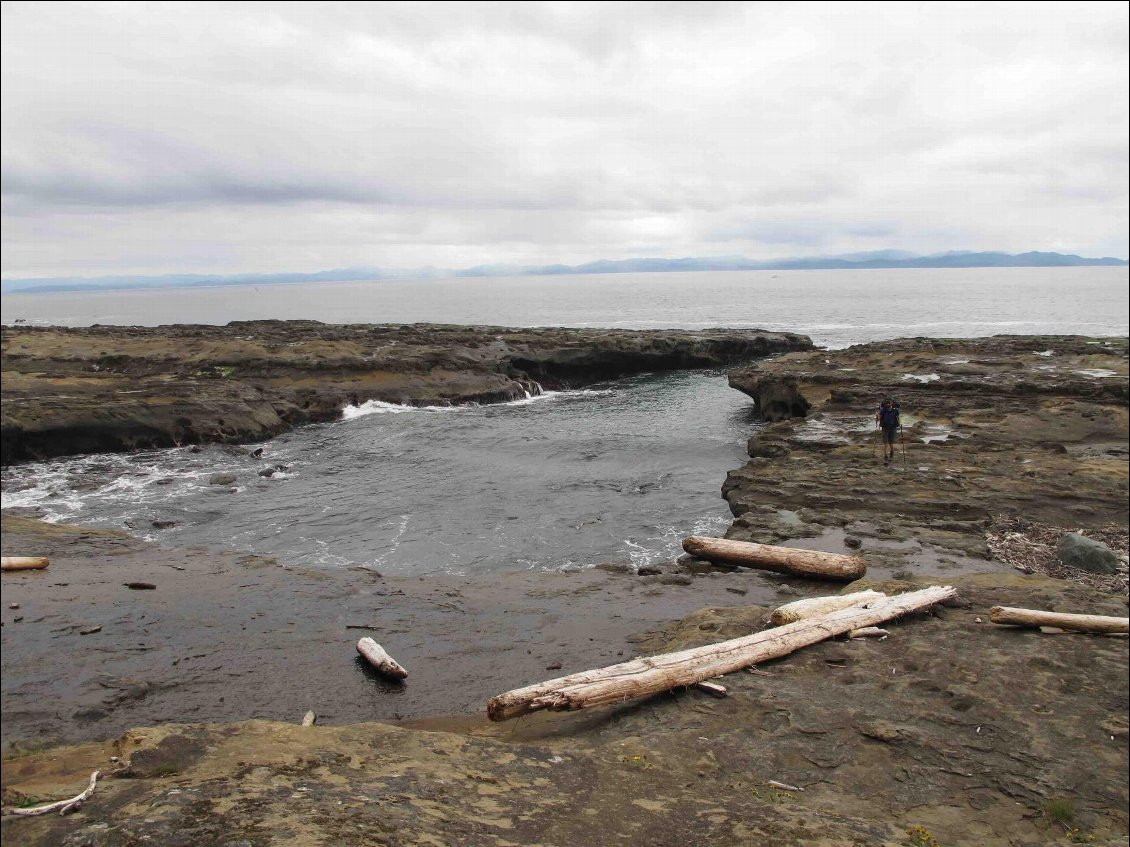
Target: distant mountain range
{"points": [[873, 260]]}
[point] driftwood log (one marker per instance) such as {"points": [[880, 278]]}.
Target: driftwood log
{"points": [[812, 607], [375, 655], [808, 563], [1061, 620], [641, 677], [60, 806], [23, 563]]}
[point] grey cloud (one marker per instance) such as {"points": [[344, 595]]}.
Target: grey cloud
{"points": [[409, 134]]}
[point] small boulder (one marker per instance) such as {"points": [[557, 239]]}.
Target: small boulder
{"points": [[851, 542], [649, 570], [175, 753], [1079, 551], [758, 448], [221, 479]]}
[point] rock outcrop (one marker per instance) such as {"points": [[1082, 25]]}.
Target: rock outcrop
{"points": [[994, 429], [105, 388]]}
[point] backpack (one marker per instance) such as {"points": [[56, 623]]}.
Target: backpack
{"points": [[889, 418]]}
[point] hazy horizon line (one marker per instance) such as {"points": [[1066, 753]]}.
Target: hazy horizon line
{"points": [[884, 259]]}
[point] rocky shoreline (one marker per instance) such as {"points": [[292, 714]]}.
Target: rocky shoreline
{"points": [[110, 389], [996, 429], [952, 731]]}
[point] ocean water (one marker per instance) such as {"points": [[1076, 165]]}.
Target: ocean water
{"points": [[617, 472], [620, 472], [835, 308]]}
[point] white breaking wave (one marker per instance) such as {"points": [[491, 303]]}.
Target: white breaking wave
{"points": [[379, 407]]}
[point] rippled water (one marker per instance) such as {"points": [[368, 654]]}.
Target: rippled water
{"points": [[621, 472], [836, 308]]}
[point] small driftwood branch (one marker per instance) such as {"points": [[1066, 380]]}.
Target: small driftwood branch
{"points": [[1062, 620], [868, 632], [815, 606], [808, 563], [713, 689], [784, 786], [23, 563], [375, 655], [651, 675], [61, 806]]}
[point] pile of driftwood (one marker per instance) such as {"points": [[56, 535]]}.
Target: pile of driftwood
{"points": [[797, 625]]}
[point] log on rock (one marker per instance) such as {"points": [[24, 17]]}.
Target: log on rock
{"points": [[1062, 620], [651, 675], [815, 606], [809, 563], [23, 563], [375, 655], [60, 806]]}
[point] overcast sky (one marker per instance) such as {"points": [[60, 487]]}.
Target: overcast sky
{"points": [[216, 138]]}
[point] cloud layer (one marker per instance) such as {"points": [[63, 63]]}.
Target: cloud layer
{"points": [[269, 137]]}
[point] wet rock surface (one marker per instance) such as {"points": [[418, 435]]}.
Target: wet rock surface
{"points": [[107, 388], [951, 731], [959, 729]]}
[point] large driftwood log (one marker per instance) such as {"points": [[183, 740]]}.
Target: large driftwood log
{"points": [[375, 655], [808, 563], [23, 563], [1061, 620], [813, 607], [61, 806], [641, 677]]}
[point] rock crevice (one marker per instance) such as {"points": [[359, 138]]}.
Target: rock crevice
{"points": [[105, 388]]}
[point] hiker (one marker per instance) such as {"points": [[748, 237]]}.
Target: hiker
{"points": [[887, 419]]}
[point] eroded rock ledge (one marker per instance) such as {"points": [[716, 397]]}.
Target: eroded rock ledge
{"points": [[107, 388], [1010, 428]]}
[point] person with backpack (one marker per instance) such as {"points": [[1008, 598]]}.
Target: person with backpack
{"points": [[887, 419]]}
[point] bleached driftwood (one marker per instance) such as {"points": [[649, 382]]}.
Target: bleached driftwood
{"points": [[868, 632], [812, 607], [23, 563], [1061, 620], [651, 675], [375, 655], [309, 718], [784, 786], [807, 563], [61, 806], [712, 688]]}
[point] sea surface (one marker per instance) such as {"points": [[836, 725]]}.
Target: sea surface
{"points": [[617, 472], [836, 308]]}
